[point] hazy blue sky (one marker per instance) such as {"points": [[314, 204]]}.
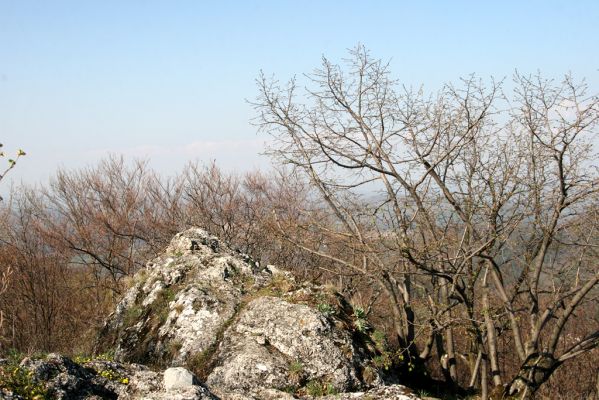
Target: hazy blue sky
{"points": [[168, 80]]}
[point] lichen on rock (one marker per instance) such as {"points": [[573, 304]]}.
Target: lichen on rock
{"points": [[183, 298], [61, 378]]}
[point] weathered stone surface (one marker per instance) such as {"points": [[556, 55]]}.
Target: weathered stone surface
{"points": [[58, 377], [179, 302], [178, 378], [277, 344]]}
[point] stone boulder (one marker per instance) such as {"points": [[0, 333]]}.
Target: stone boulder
{"points": [[178, 378], [178, 305], [275, 343], [61, 378]]}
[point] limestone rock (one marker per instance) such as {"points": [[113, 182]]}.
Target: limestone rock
{"points": [[59, 377], [274, 344], [178, 378], [179, 302]]}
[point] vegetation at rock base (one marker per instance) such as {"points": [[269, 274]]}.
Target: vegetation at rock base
{"points": [[319, 388], [50, 376], [113, 375], [296, 372], [326, 309], [19, 381]]}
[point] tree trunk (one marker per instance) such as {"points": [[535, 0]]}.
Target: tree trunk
{"points": [[449, 341], [396, 308], [491, 336], [484, 386], [535, 371]]}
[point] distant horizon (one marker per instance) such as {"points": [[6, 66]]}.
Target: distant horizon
{"points": [[80, 81]]}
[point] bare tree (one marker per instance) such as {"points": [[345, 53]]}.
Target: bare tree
{"points": [[113, 216], [465, 196], [34, 303], [7, 271], [238, 208]]}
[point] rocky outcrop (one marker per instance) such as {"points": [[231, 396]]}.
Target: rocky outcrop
{"points": [[246, 331], [179, 304], [61, 378]]}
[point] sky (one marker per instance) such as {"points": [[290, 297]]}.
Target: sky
{"points": [[169, 81]]}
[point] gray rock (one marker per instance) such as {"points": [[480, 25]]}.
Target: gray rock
{"points": [[63, 378], [274, 342], [58, 377], [178, 378], [177, 305]]}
